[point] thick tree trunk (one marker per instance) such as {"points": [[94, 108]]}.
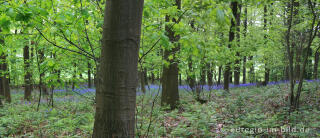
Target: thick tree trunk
{"points": [[27, 76], [227, 70], [170, 91], [116, 91]]}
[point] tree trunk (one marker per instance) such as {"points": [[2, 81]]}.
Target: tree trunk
{"points": [[89, 75], [190, 75], [203, 75], [244, 72], [142, 81], [31, 61], [4, 87], [117, 82], [237, 62], [5, 78], [42, 74], [74, 76], [27, 76], [152, 77], [170, 91], [145, 75], [252, 75], [315, 67], [227, 70], [209, 75], [266, 68], [219, 75]]}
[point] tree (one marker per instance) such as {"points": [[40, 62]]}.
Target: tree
{"points": [[4, 77], [27, 76], [116, 90], [227, 70], [170, 91], [237, 62], [245, 24], [266, 68]]}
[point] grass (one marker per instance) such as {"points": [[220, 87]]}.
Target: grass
{"points": [[244, 111]]}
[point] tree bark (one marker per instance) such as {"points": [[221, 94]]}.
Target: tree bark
{"points": [[170, 91], [227, 70], [4, 87], [244, 72], [237, 62], [42, 73], [89, 76], [209, 74], [190, 75], [5, 78], [142, 81], [203, 75], [145, 75], [117, 81], [27, 75], [219, 75], [266, 68]]}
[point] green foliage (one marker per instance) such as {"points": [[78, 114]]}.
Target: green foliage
{"points": [[251, 107]]}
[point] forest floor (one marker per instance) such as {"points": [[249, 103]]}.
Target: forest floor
{"points": [[244, 111]]}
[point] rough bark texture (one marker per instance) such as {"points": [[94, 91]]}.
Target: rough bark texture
{"points": [[227, 70], [27, 75], [170, 92], [117, 81]]}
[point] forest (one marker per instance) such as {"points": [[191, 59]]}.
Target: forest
{"points": [[159, 68]]}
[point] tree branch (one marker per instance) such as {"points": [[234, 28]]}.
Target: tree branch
{"points": [[54, 44]]}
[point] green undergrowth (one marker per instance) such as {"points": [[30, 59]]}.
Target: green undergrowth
{"points": [[242, 112]]}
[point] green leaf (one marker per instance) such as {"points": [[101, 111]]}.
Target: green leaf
{"points": [[5, 23]]}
